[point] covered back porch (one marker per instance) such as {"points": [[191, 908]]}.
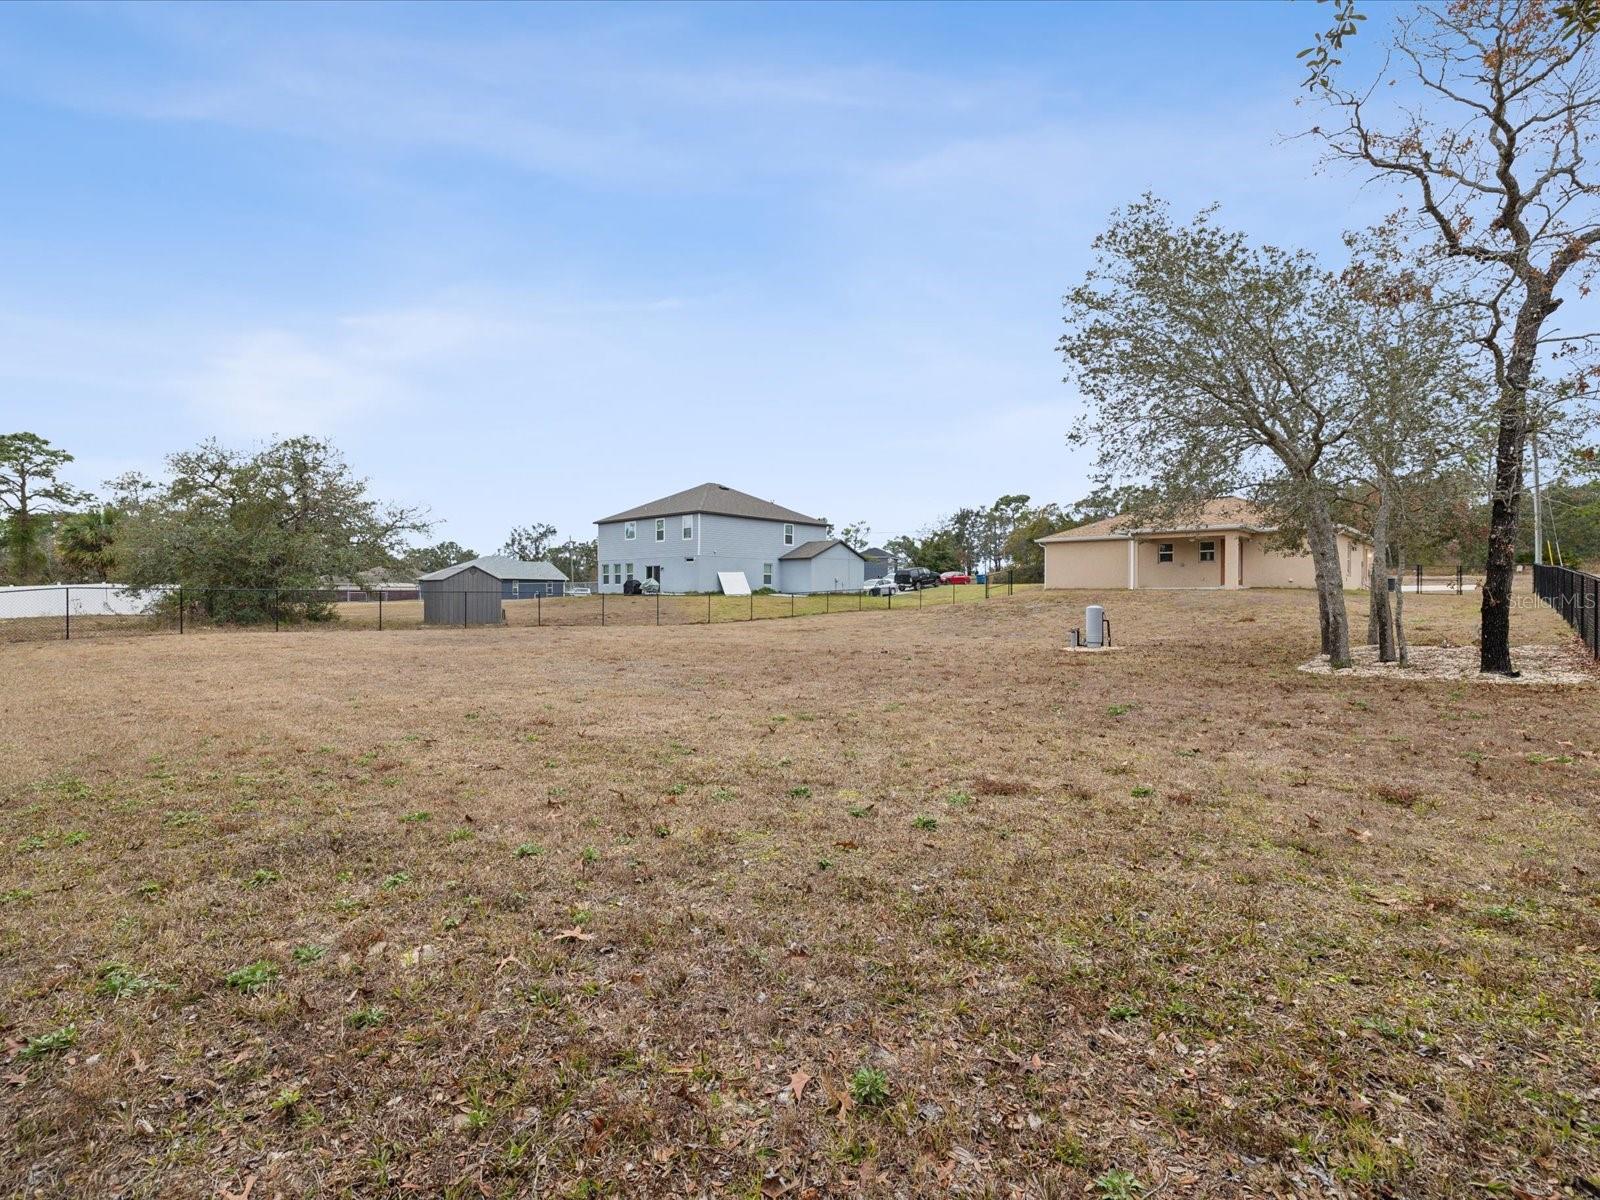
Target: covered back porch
{"points": [[1211, 559]]}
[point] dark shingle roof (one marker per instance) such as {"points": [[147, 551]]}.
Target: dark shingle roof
{"points": [[812, 549], [503, 566], [712, 498]]}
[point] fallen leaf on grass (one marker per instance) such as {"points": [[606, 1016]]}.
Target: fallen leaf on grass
{"points": [[575, 934], [797, 1084]]}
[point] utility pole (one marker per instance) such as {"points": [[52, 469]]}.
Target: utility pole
{"points": [[1538, 516]]}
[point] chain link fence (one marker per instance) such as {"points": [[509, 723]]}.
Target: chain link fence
{"points": [[90, 610]]}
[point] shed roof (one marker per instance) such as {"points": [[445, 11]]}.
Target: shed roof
{"points": [[819, 546], [713, 498], [503, 566]]}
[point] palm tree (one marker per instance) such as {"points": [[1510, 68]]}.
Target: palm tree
{"points": [[86, 541]]}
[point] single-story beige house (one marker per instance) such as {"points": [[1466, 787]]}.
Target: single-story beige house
{"points": [[1224, 545]]}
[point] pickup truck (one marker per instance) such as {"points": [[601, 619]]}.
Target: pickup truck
{"points": [[914, 579]]}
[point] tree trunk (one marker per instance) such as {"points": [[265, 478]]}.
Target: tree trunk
{"points": [[1324, 543], [1401, 646], [1380, 617], [1494, 632]]}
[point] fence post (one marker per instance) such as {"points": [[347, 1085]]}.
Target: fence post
{"points": [[180, 608], [752, 606], [1011, 581], [274, 610], [708, 608], [1419, 579], [538, 610], [380, 610], [602, 608], [658, 608], [66, 595], [986, 585], [892, 591], [1458, 579], [791, 604]]}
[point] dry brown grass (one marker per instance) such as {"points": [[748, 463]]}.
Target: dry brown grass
{"points": [[1183, 911]]}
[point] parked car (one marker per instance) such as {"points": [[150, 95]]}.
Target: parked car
{"points": [[914, 579], [955, 577], [884, 585], [579, 590]]}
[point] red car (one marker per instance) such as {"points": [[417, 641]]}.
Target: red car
{"points": [[955, 577]]}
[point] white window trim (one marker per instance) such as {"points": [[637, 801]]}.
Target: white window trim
{"points": [[1208, 548], [688, 528], [788, 534], [1166, 552], [629, 574], [661, 529], [630, 530], [769, 572]]}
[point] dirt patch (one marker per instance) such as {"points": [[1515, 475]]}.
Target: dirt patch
{"points": [[1535, 664]]}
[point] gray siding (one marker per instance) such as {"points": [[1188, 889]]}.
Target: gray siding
{"points": [[720, 543], [470, 597], [837, 569]]}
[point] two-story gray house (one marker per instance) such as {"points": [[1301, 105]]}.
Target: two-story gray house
{"points": [[686, 540]]}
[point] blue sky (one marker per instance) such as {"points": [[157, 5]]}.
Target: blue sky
{"points": [[542, 262]]}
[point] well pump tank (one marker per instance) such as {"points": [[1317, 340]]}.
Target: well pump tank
{"points": [[1094, 625]]}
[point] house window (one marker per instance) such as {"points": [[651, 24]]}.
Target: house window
{"points": [[661, 529], [788, 535], [766, 573], [630, 530], [1164, 552], [1208, 552], [688, 528], [629, 575], [605, 572], [516, 589], [653, 573]]}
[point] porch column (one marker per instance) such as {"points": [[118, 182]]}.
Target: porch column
{"points": [[1233, 560], [1133, 563]]}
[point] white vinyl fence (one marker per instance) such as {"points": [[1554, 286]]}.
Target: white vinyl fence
{"points": [[78, 599]]}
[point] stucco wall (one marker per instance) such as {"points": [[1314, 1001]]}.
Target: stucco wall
{"points": [[1273, 568], [1102, 564], [1185, 570]]}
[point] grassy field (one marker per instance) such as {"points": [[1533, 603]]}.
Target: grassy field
{"points": [[879, 905]]}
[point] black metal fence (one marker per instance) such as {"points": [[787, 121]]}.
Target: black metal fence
{"points": [[1576, 596], [1417, 579], [84, 611]]}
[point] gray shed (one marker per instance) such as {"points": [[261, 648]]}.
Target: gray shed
{"points": [[461, 596]]}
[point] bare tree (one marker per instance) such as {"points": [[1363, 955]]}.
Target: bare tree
{"points": [[1492, 132], [1214, 366]]}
